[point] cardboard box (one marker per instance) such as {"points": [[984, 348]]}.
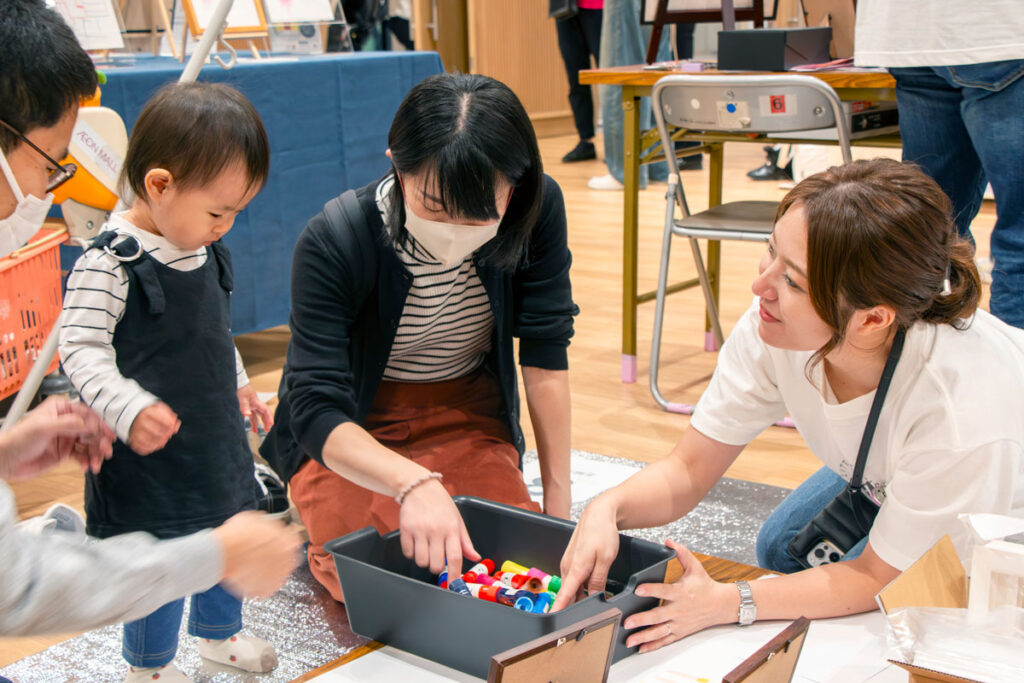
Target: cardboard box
{"points": [[937, 579], [772, 49]]}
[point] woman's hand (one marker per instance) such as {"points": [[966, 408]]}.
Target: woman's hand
{"points": [[153, 428], [592, 548], [432, 531], [56, 430], [250, 404], [693, 603]]}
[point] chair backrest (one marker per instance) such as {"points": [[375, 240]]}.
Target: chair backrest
{"points": [[749, 104]]}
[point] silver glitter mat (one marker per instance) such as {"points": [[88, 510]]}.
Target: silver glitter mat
{"points": [[309, 629]]}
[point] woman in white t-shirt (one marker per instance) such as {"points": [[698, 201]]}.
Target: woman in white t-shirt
{"points": [[864, 258]]}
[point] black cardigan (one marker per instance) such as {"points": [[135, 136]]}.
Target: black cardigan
{"points": [[348, 289]]}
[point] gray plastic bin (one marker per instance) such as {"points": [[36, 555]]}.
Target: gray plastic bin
{"points": [[391, 600]]}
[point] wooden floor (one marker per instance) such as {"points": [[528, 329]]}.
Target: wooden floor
{"points": [[609, 417]]}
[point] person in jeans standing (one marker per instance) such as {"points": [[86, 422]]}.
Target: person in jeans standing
{"points": [[579, 39], [960, 89]]}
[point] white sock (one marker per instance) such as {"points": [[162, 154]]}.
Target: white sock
{"points": [[241, 651], [168, 673]]}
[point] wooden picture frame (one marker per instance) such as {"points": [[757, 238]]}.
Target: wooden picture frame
{"points": [[247, 16], [776, 661], [580, 653]]}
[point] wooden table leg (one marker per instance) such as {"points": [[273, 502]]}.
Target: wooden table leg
{"points": [[630, 203], [714, 266]]}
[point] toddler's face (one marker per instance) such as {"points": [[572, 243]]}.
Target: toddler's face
{"points": [[197, 216]]}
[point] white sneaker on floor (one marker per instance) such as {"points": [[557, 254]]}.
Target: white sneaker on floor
{"points": [[60, 518], [240, 651], [604, 182], [168, 673], [984, 266]]}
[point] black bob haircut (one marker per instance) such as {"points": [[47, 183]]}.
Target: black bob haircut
{"points": [[464, 133], [196, 131], [44, 72]]}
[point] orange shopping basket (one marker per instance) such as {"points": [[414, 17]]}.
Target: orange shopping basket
{"points": [[30, 301]]}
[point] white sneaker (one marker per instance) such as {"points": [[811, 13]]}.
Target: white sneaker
{"points": [[984, 266], [604, 182], [168, 673], [60, 518]]}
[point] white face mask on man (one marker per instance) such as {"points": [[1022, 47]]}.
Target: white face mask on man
{"points": [[449, 243], [28, 216]]}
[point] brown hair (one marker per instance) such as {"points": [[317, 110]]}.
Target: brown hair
{"points": [[881, 232], [196, 131]]}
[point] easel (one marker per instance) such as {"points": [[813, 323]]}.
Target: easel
{"points": [[727, 15], [159, 21], [247, 33]]}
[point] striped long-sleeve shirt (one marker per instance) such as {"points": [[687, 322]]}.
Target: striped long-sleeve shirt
{"points": [[94, 302], [447, 323]]}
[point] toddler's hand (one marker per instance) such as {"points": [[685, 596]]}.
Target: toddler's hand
{"points": [[153, 428], [253, 408]]}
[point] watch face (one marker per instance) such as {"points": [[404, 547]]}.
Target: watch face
{"points": [[747, 614]]}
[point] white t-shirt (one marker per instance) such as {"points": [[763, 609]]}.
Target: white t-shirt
{"points": [[938, 32], [950, 437]]}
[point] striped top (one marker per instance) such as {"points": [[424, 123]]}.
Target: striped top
{"points": [[94, 303], [446, 325]]}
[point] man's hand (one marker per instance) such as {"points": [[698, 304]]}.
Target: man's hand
{"points": [[54, 431]]}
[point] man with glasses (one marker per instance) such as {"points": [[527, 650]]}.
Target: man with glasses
{"points": [[48, 583]]}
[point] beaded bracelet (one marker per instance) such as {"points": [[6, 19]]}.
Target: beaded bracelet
{"points": [[409, 487]]}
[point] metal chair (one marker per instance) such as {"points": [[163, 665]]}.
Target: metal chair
{"points": [[729, 104]]}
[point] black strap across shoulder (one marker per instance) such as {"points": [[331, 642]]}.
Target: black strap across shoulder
{"points": [[876, 408]]}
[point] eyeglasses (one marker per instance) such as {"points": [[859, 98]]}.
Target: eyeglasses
{"points": [[60, 174]]}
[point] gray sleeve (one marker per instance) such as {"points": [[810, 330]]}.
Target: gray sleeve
{"points": [[52, 585]]}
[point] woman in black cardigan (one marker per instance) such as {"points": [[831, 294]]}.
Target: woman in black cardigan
{"points": [[400, 385]]}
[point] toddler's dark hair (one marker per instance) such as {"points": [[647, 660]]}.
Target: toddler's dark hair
{"points": [[195, 131]]}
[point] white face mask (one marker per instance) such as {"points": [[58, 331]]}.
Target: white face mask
{"points": [[447, 242], [28, 216]]}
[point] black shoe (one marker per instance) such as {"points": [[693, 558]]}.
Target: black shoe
{"points": [[693, 163], [584, 151], [772, 172]]}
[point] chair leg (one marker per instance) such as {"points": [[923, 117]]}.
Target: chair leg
{"points": [[709, 298], [659, 309]]}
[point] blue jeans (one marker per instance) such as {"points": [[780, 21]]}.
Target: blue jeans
{"points": [[792, 515], [964, 126], [153, 640], [623, 42]]}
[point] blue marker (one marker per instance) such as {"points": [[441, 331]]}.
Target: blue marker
{"points": [[523, 603], [459, 586], [542, 603]]}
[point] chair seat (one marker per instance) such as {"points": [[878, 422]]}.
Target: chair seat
{"points": [[750, 220]]}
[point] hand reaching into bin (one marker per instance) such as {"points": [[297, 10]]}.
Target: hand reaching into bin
{"points": [[432, 531], [591, 551]]}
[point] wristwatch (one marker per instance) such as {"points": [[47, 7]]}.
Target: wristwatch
{"points": [[748, 610]]}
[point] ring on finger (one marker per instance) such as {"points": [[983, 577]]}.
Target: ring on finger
{"points": [[668, 629]]}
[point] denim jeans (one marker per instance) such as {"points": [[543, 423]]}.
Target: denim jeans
{"points": [[624, 42], [792, 515], [964, 126], [153, 640]]}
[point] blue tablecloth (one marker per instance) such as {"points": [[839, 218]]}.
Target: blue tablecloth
{"points": [[327, 118]]}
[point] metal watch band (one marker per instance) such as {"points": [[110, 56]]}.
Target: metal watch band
{"points": [[748, 610]]}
